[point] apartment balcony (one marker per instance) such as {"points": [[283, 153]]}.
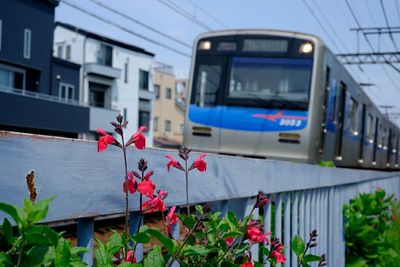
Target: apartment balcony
{"points": [[101, 117], [31, 110], [146, 94], [102, 70]]}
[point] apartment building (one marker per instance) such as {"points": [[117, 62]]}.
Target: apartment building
{"points": [[115, 78], [169, 107], [38, 93]]}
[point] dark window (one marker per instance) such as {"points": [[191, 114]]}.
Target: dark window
{"points": [[157, 91], [66, 91], [168, 93], [144, 119], [60, 51], [104, 55], [143, 80], [97, 94], [167, 126], [68, 52], [155, 124], [126, 67], [208, 79]]}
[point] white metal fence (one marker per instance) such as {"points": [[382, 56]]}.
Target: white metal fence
{"points": [[89, 184]]}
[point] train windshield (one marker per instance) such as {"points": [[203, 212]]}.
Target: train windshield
{"points": [[270, 82]]}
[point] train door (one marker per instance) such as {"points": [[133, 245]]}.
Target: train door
{"points": [[362, 135], [375, 150], [339, 115], [389, 148], [323, 149], [396, 159]]}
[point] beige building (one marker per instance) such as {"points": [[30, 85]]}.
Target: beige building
{"points": [[169, 107]]}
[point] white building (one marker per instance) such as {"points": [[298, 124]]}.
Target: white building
{"points": [[115, 78]]}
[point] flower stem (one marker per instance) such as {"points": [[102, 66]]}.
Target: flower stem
{"points": [[187, 187], [126, 197]]}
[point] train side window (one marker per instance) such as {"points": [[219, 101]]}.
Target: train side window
{"points": [[353, 118], [370, 134], [384, 145], [208, 79]]}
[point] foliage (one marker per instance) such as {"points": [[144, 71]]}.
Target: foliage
{"points": [[372, 230], [30, 244], [327, 163]]}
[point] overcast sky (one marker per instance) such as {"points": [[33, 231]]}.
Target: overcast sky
{"points": [[293, 15]]}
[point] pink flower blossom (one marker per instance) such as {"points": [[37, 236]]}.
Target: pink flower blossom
{"points": [[146, 187], [199, 163], [255, 233], [277, 253], [131, 185], [139, 139], [104, 141], [173, 162], [129, 257], [155, 203], [171, 219], [229, 241]]}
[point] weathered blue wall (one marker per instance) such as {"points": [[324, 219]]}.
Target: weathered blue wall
{"points": [[36, 113], [38, 16]]}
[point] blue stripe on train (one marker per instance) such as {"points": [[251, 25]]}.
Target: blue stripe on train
{"points": [[249, 119]]}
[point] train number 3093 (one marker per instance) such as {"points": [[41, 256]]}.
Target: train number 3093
{"points": [[289, 122]]}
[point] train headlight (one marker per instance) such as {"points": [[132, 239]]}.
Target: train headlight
{"points": [[306, 48], [205, 45]]}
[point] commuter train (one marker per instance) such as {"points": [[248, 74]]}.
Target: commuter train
{"points": [[282, 95]]}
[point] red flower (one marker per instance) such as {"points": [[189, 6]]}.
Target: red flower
{"points": [[131, 184], [199, 163], [247, 264], [146, 188], [229, 241], [277, 253], [104, 141], [155, 203], [173, 162], [171, 219], [138, 138], [129, 257], [395, 217], [255, 234]]}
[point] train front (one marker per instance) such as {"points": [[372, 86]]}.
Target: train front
{"points": [[250, 94]]}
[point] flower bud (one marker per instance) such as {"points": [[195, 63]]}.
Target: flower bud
{"points": [[207, 208], [262, 200], [142, 165], [119, 118]]}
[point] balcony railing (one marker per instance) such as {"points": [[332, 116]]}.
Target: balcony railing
{"points": [[31, 94]]}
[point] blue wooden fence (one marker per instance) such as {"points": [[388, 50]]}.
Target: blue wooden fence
{"points": [[89, 184]]}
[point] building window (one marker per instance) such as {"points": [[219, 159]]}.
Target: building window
{"points": [[1, 28], [143, 80], [68, 52], [168, 93], [104, 55], [12, 78], [155, 127], [97, 95], [144, 119], [126, 69], [27, 43], [157, 91], [59, 51], [66, 91], [167, 126]]}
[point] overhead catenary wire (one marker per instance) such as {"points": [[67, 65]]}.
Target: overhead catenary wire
{"points": [[388, 26], [184, 13], [370, 45], [109, 8], [101, 18], [208, 14]]}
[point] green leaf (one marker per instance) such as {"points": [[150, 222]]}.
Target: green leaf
{"points": [[102, 257], [154, 258], [311, 258], [195, 250], [5, 260], [63, 253], [141, 237], [114, 243], [12, 211], [128, 264], [298, 246], [77, 250], [37, 211], [8, 232], [78, 264], [167, 243], [231, 234], [41, 235], [199, 209], [40, 255], [305, 264], [232, 219]]}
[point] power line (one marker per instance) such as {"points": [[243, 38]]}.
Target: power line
{"points": [[387, 24], [321, 25], [140, 23], [369, 43], [208, 14], [125, 29], [184, 13]]}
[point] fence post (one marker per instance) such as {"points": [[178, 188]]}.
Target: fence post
{"points": [[85, 233], [136, 221]]}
